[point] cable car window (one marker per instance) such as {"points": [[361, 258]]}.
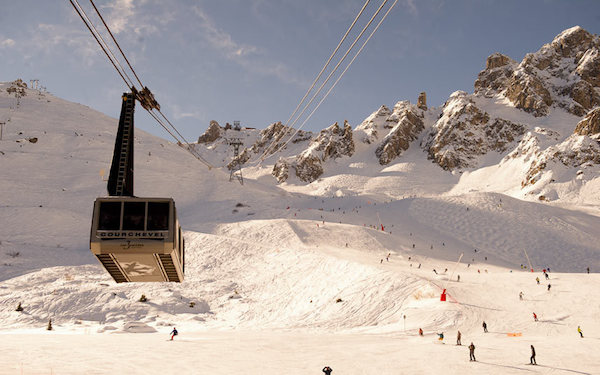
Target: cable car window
{"points": [[133, 215], [158, 215], [110, 216]]}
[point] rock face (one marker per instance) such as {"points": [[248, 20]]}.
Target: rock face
{"points": [[392, 131], [272, 139], [422, 101], [211, 134], [574, 152], [409, 124], [590, 125], [564, 73], [331, 143], [464, 132], [494, 79], [376, 123]]}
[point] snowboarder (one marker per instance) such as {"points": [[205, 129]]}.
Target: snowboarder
{"points": [[441, 336], [472, 353], [420, 332], [538, 280], [458, 335], [174, 333], [327, 370], [521, 296], [549, 287], [579, 330], [484, 327], [535, 317], [532, 358]]}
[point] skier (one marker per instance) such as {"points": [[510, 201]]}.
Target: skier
{"points": [[538, 280], [549, 287], [173, 333], [535, 317], [521, 296], [588, 269], [484, 326], [472, 352], [420, 332], [435, 271], [532, 358], [458, 335], [458, 278], [441, 336], [546, 275], [327, 370], [579, 330]]}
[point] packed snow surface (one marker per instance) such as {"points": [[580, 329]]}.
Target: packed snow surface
{"points": [[286, 278]]}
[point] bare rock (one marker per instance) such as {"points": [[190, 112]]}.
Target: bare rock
{"points": [[422, 101], [590, 125], [465, 132], [211, 134], [407, 129]]}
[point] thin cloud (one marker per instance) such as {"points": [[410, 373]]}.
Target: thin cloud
{"points": [[7, 43], [221, 40], [247, 56]]}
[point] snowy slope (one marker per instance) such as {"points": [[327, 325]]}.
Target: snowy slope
{"points": [[266, 263]]}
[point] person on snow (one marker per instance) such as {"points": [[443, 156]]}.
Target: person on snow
{"points": [[588, 269], [420, 332], [549, 287], [546, 275], [441, 336], [538, 280], [327, 370], [484, 325], [579, 330], [173, 333], [535, 317], [532, 358], [521, 296], [458, 335], [472, 352], [458, 278]]}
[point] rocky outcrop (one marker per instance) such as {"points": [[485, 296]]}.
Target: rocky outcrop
{"points": [[590, 125], [281, 170], [211, 134], [370, 128], [272, 139], [465, 132], [575, 151], [422, 101], [494, 79], [527, 92], [408, 127], [564, 73], [331, 143]]}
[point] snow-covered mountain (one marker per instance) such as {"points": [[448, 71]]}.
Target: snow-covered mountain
{"points": [[536, 120]]}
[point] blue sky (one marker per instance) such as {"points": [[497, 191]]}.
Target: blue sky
{"points": [[253, 60]]}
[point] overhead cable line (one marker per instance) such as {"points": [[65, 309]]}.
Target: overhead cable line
{"points": [[265, 155], [144, 96], [116, 43], [105, 48], [287, 123], [340, 77], [327, 63]]}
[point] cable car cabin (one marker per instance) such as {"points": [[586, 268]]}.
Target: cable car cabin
{"points": [[138, 239]]}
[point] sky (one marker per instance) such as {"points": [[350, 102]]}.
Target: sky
{"points": [[253, 60]]}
